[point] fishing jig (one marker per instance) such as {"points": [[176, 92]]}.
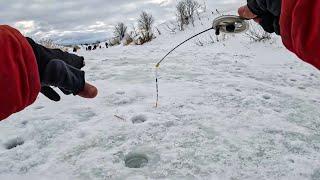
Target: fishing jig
{"points": [[228, 24]]}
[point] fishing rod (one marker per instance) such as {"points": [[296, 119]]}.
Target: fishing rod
{"points": [[228, 24]]}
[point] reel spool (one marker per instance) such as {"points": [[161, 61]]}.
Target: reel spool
{"points": [[230, 24]]}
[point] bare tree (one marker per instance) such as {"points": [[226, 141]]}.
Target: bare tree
{"points": [[186, 10], [204, 6], [120, 30], [159, 32], [182, 15], [145, 21], [171, 27], [134, 30], [49, 43], [191, 8]]}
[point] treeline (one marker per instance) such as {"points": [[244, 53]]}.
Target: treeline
{"points": [[185, 14], [142, 34]]}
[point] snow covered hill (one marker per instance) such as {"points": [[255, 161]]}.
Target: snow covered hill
{"points": [[233, 109]]}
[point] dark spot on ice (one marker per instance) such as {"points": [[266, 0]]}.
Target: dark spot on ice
{"points": [[86, 115], [278, 110], [39, 107], [239, 90], [181, 106], [302, 88], [267, 97], [139, 119], [169, 124], [120, 92], [136, 160], [293, 80], [14, 143]]}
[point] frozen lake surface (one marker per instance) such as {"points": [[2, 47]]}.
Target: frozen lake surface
{"points": [[233, 109]]}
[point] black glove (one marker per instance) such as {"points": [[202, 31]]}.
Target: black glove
{"points": [[50, 93], [66, 76], [68, 79], [269, 12], [270, 23]]}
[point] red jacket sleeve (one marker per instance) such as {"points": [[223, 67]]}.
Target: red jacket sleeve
{"points": [[19, 76], [300, 29]]}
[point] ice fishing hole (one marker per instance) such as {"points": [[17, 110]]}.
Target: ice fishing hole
{"points": [[136, 160], [14, 143], [139, 119]]}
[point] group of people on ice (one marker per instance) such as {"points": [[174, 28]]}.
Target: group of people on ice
{"points": [[96, 46], [27, 68]]}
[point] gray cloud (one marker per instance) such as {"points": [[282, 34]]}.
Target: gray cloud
{"points": [[71, 21]]}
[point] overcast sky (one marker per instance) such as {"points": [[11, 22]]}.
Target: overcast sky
{"points": [[73, 21]]}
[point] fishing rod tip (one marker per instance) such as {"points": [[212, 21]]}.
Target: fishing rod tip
{"points": [[158, 65]]}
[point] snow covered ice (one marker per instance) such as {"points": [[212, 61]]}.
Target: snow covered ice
{"points": [[233, 109]]}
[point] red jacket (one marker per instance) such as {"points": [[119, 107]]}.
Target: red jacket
{"points": [[19, 76], [300, 29]]}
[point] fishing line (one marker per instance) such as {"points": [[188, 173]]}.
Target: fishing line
{"points": [[158, 64], [228, 24]]}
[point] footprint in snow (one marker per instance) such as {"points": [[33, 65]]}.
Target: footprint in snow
{"points": [[84, 114], [266, 97], [39, 107], [138, 119], [120, 92], [12, 143], [25, 122]]}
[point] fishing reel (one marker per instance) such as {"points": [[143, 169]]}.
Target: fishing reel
{"points": [[230, 24]]}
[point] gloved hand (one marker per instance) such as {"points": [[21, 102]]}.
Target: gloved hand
{"points": [[63, 70], [264, 12], [70, 59]]}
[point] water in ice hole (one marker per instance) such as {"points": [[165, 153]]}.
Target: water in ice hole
{"points": [[136, 160]]}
